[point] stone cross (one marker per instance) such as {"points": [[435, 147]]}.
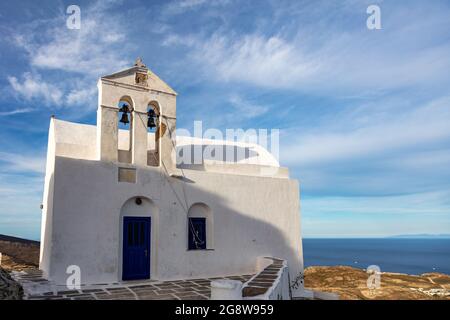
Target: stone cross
{"points": [[139, 63]]}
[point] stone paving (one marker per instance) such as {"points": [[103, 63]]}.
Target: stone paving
{"points": [[37, 288]]}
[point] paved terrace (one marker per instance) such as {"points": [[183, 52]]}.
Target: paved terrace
{"points": [[37, 288]]}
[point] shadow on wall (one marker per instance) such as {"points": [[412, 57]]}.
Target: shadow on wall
{"points": [[237, 233]]}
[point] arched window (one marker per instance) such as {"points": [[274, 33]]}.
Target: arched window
{"points": [[200, 227], [125, 126]]}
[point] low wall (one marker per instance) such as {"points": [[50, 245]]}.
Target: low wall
{"points": [[271, 283]]}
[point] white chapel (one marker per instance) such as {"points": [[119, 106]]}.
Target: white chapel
{"points": [[120, 206]]}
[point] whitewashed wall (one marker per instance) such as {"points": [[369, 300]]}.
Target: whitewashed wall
{"points": [[253, 216]]}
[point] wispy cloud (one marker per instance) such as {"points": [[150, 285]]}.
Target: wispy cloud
{"points": [[177, 40], [32, 87], [16, 111], [256, 59], [98, 47], [81, 96], [247, 109], [81, 56], [180, 6], [316, 58], [22, 163], [267, 62], [345, 139]]}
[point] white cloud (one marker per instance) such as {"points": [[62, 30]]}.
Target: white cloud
{"points": [[182, 6], [256, 59], [188, 3], [246, 109], [16, 111], [81, 96], [320, 55], [22, 163], [422, 160], [97, 48], [338, 64], [176, 40], [344, 138], [32, 87]]}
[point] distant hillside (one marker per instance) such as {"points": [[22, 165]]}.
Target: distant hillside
{"points": [[15, 239], [351, 284], [21, 250], [421, 236]]}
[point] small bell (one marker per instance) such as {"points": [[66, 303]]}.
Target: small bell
{"points": [[124, 118], [124, 109], [151, 123]]}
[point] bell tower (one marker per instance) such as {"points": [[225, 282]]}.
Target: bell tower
{"points": [[144, 104]]}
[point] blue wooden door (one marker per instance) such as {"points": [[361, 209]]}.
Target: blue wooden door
{"points": [[136, 248]]}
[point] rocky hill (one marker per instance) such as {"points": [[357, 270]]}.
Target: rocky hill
{"points": [[351, 284], [16, 254], [21, 251]]}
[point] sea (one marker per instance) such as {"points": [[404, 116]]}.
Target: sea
{"points": [[410, 256]]}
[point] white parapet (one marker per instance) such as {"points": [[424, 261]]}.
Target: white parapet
{"points": [[226, 290]]}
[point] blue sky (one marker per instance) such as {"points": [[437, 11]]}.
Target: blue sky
{"points": [[364, 115]]}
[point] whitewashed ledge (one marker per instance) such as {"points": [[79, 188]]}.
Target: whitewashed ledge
{"points": [[270, 283]]}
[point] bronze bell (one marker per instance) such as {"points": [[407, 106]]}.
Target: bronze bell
{"points": [[124, 109], [151, 123], [124, 118]]}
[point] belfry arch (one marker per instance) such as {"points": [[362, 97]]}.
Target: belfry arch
{"points": [[151, 138], [125, 126], [154, 127]]}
